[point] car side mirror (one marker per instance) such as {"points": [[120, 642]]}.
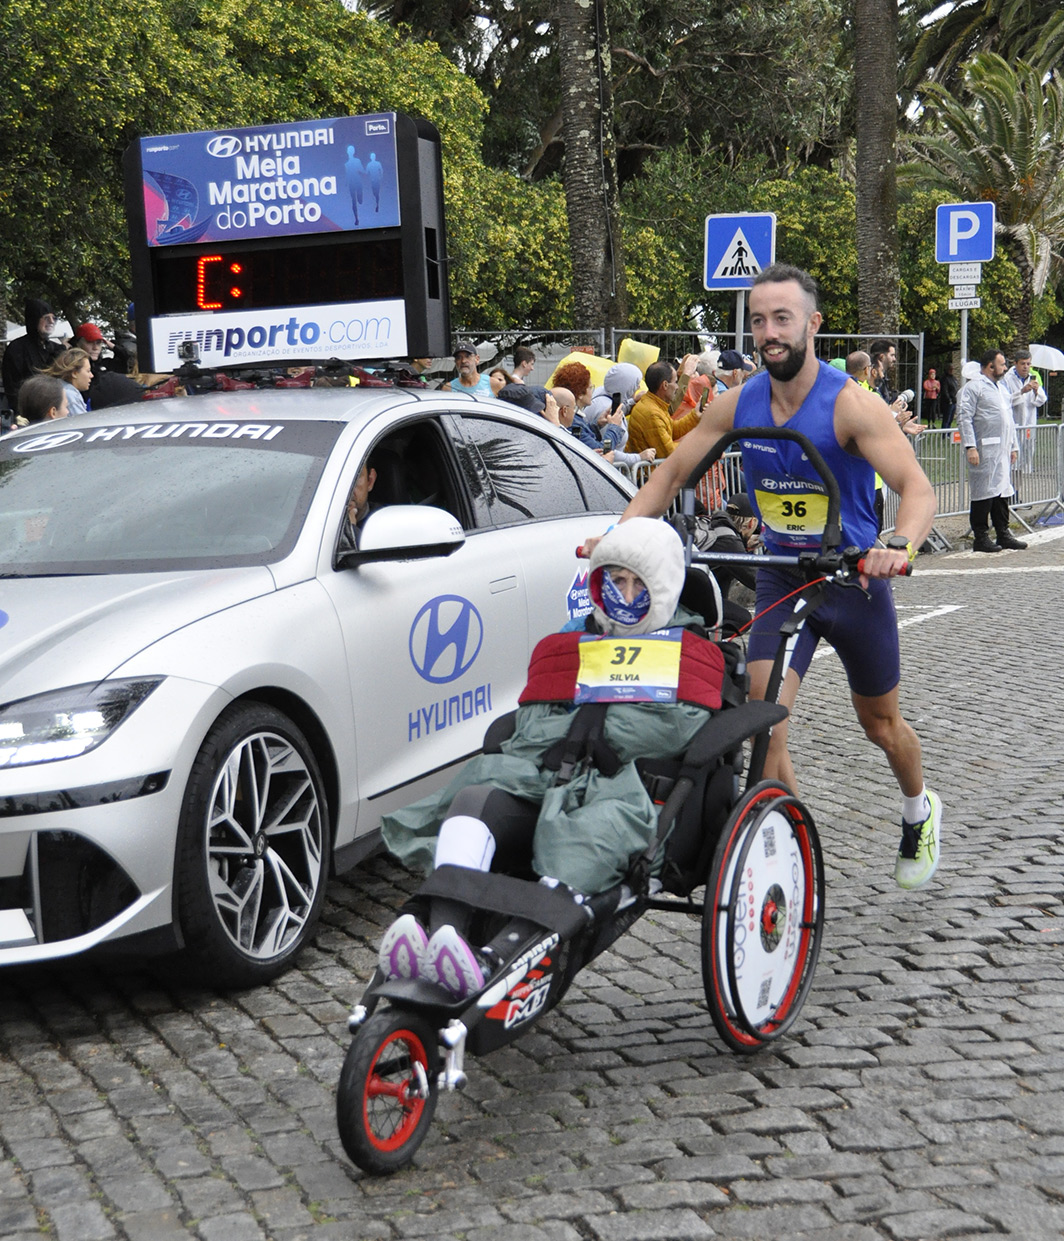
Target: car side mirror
{"points": [[404, 532]]}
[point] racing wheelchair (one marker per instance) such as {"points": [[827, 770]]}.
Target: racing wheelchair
{"points": [[744, 857]]}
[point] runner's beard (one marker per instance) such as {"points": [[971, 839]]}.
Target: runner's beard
{"points": [[789, 365]]}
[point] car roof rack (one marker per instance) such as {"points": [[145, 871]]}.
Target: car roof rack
{"points": [[334, 373]]}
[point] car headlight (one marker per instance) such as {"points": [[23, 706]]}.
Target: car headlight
{"points": [[67, 722]]}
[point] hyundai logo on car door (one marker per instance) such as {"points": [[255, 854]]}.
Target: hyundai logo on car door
{"points": [[445, 640]]}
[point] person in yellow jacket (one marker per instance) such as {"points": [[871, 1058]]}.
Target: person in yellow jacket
{"points": [[650, 424]]}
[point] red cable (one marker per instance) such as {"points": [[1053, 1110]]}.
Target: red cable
{"points": [[784, 599]]}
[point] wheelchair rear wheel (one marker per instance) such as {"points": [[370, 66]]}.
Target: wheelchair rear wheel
{"points": [[763, 917], [387, 1093]]}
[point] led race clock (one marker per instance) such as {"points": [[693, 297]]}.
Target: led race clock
{"points": [[289, 243]]}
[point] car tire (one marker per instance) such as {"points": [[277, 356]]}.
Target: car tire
{"points": [[253, 843]]}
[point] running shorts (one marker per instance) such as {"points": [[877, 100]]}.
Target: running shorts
{"points": [[862, 628]]}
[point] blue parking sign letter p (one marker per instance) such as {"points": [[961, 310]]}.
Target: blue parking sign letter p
{"points": [[964, 232], [962, 225]]}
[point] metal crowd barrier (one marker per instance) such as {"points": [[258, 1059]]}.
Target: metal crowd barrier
{"points": [[1038, 477], [724, 480]]}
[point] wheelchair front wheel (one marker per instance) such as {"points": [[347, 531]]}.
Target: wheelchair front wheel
{"points": [[387, 1093], [763, 917]]}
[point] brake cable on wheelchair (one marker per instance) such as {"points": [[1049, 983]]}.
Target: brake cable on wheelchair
{"points": [[783, 599]]}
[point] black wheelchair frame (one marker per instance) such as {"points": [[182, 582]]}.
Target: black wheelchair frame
{"points": [[753, 851]]}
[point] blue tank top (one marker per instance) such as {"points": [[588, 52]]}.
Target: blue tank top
{"points": [[784, 488]]}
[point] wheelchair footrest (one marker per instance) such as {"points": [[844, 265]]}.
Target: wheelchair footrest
{"points": [[502, 894]]}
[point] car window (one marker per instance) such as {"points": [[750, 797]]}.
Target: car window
{"points": [[410, 465], [516, 475], [135, 497], [603, 493]]}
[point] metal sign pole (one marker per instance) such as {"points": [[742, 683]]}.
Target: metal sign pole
{"points": [[740, 318], [964, 340]]}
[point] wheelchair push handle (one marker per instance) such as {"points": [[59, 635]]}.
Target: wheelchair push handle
{"points": [[832, 535], [842, 564]]}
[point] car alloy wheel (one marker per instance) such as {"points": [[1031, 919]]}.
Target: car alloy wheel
{"points": [[253, 847]]}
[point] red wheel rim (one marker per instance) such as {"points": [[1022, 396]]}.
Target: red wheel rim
{"points": [[723, 1001], [391, 1104], [742, 1035]]}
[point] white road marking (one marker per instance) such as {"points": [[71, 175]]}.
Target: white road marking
{"points": [[1032, 538], [944, 610], [987, 570]]}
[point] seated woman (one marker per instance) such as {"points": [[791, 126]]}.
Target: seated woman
{"points": [[74, 370], [513, 811]]}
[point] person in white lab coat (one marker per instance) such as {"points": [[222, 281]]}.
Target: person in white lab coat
{"points": [[1027, 396], [988, 434]]}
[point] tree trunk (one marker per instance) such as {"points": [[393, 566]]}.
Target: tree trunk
{"points": [[590, 170], [1023, 308], [876, 98]]}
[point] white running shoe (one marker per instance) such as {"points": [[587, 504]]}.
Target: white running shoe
{"points": [[449, 961], [401, 948], [921, 848]]}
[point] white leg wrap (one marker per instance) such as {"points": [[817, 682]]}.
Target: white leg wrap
{"points": [[465, 841]]}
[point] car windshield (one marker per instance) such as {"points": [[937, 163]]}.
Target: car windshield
{"points": [[136, 497]]}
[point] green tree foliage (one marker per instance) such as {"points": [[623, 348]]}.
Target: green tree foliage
{"points": [[770, 78], [1003, 142], [665, 231], [512, 253], [80, 81], [938, 40], [77, 81]]}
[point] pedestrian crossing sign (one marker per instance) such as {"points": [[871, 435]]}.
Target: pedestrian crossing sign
{"points": [[738, 247]]}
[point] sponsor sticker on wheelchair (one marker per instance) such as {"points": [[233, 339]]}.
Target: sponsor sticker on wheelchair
{"points": [[642, 669]]}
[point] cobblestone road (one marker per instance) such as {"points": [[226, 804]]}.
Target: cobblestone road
{"points": [[919, 1096]]}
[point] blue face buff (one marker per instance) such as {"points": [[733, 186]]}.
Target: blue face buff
{"points": [[617, 607]]}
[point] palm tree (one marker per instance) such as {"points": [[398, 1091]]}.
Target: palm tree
{"points": [[939, 47], [1002, 141], [876, 104], [590, 172]]}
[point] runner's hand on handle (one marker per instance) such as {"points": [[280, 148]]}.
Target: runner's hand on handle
{"points": [[883, 562]]}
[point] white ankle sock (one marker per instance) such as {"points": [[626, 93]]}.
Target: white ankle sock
{"points": [[465, 841], [915, 809]]}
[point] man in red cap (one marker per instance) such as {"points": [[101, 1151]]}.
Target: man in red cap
{"points": [[110, 384], [89, 337]]}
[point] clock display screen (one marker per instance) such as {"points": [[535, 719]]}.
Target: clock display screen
{"points": [[210, 278]]}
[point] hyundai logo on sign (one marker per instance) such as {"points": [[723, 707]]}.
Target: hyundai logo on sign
{"points": [[445, 638], [224, 146]]}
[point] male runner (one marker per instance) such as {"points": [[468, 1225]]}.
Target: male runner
{"points": [[858, 437]]}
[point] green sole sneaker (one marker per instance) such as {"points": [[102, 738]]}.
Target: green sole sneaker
{"points": [[921, 848]]}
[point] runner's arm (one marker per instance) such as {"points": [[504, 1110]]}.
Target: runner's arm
{"points": [[659, 491], [864, 425], [666, 479]]}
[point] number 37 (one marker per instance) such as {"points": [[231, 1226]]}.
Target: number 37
{"points": [[625, 654]]}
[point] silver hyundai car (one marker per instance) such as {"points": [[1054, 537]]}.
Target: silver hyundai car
{"points": [[220, 662]]}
